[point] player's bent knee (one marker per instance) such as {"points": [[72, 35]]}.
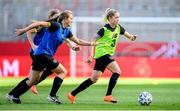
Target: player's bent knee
{"points": [[62, 76], [65, 72], [60, 72], [118, 72]]}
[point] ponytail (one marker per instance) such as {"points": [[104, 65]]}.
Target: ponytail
{"points": [[105, 15]]}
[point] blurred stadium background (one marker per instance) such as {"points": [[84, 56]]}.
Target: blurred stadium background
{"points": [[151, 63], [155, 53]]}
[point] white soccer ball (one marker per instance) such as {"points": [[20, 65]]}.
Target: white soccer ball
{"points": [[145, 98]]}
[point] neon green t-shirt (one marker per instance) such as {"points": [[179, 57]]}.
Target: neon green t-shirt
{"points": [[110, 40]]}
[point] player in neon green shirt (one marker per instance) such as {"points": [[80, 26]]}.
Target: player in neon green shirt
{"points": [[108, 35]]}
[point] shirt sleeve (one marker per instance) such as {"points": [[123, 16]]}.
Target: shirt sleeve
{"points": [[69, 34], [101, 32], [122, 30], [53, 26]]}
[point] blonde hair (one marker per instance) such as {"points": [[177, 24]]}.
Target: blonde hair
{"points": [[109, 13]]}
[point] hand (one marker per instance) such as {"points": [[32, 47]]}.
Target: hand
{"points": [[133, 37], [89, 61], [76, 48], [19, 32]]}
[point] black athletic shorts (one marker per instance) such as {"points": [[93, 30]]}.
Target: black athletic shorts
{"points": [[102, 62], [44, 61]]}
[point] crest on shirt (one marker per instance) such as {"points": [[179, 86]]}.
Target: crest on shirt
{"points": [[115, 35]]}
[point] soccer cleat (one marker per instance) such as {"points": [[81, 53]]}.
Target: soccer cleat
{"points": [[110, 98], [54, 99], [71, 98], [13, 99], [34, 90]]}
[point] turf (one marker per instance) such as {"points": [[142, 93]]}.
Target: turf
{"points": [[165, 92]]}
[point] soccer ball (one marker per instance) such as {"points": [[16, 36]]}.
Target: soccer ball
{"points": [[145, 98]]}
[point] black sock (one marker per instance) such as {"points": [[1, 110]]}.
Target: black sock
{"points": [[56, 85], [82, 87], [21, 90], [44, 75], [112, 83], [13, 91]]}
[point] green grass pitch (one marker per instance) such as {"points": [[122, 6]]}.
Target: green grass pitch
{"points": [[165, 92]]}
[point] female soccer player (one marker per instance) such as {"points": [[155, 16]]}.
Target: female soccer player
{"points": [[53, 13], [34, 42], [109, 35], [57, 32]]}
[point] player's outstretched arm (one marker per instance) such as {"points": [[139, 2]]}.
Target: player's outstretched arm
{"points": [[130, 36], [82, 42], [31, 26], [70, 45]]}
